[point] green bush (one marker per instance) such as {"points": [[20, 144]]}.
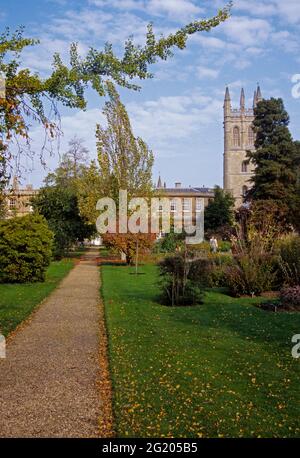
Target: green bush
{"points": [[290, 297], [25, 249], [251, 275], [289, 261], [181, 280], [224, 246], [170, 243], [200, 248], [217, 273]]}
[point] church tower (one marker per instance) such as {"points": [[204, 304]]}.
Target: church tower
{"points": [[238, 139]]}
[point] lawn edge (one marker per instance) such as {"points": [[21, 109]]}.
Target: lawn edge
{"points": [[107, 418], [32, 314]]}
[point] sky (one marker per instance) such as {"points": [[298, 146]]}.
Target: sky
{"points": [[179, 112]]}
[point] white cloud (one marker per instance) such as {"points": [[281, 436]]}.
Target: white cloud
{"points": [[209, 42], [171, 120], [257, 8], [174, 9], [286, 41], [289, 9], [207, 73], [246, 31], [286, 10]]}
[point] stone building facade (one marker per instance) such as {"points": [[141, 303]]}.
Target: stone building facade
{"points": [[238, 139], [18, 200], [191, 200]]}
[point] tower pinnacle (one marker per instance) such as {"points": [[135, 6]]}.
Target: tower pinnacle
{"points": [[227, 95], [242, 100], [227, 103], [254, 99], [258, 94], [159, 183]]}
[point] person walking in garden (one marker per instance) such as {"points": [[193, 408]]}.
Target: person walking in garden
{"points": [[213, 244]]}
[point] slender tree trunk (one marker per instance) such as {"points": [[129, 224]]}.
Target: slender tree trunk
{"points": [[137, 256]]}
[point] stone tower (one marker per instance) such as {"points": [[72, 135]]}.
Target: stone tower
{"points": [[238, 138]]}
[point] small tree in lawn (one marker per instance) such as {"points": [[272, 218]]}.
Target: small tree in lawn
{"points": [[130, 244]]}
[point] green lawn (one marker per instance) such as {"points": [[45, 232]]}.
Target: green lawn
{"points": [[223, 369], [18, 300]]}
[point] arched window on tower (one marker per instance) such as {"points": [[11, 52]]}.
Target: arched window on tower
{"points": [[244, 166], [236, 136], [251, 136], [244, 191]]}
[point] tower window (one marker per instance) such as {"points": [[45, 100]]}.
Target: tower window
{"points": [[251, 136], [245, 166], [236, 136]]}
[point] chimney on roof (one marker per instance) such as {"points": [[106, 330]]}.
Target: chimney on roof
{"points": [[177, 185]]}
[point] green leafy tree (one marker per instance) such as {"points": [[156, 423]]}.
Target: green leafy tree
{"points": [[275, 159], [89, 190], [295, 203], [27, 93], [58, 203], [125, 163], [60, 208], [219, 212]]}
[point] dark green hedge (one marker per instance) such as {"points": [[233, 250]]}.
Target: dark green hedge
{"points": [[25, 249]]}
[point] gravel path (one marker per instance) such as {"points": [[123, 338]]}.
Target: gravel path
{"points": [[48, 381]]}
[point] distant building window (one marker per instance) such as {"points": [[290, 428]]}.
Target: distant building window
{"points": [[251, 136], [173, 206], [244, 191], [187, 205], [245, 166], [199, 207], [236, 136], [12, 204]]}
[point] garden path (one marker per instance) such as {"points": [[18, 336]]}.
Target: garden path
{"points": [[48, 381]]}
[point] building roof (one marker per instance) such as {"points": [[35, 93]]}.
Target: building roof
{"points": [[197, 191]]}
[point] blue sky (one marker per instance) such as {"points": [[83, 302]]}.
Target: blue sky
{"points": [[179, 112]]}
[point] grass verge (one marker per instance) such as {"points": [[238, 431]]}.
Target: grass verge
{"points": [[17, 301], [223, 369]]}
